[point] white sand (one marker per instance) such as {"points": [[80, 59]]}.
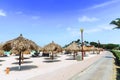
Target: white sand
{"points": [[36, 69]]}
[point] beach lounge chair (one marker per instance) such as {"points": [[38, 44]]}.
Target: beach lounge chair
{"points": [[45, 54], [35, 55]]}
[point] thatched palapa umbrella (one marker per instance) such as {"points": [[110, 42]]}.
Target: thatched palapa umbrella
{"points": [[53, 48], [20, 44], [1, 52], [40, 49], [87, 48], [74, 47]]}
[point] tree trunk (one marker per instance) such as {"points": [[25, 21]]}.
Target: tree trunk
{"points": [[52, 56]]}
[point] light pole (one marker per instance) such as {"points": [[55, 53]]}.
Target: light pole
{"points": [[98, 47], [81, 30]]}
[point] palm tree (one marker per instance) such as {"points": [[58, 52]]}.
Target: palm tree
{"points": [[116, 22], [86, 43]]}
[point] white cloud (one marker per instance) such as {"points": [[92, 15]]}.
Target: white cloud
{"points": [[94, 30], [99, 28], [104, 4], [87, 19], [35, 17], [107, 27], [2, 13]]}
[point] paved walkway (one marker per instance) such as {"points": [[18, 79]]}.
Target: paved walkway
{"points": [[67, 72], [100, 70]]}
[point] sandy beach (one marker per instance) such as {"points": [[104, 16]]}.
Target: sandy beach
{"points": [[37, 68]]}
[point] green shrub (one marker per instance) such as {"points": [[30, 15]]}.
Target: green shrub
{"points": [[117, 55]]}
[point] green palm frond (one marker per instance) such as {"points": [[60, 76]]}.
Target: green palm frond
{"points": [[116, 22]]}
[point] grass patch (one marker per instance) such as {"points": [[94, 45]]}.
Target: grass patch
{"points": [[117, 56], [117, 64]]}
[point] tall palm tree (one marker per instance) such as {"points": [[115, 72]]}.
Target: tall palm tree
{"points": [[116, 22]]}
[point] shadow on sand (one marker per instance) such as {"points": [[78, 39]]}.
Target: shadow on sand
{"points": [[50, 58], [57, 56], [24, 67], [35, 56], [2, 60], [50, 61], [108, 57], [70, 58], [23, 58], [24, 62], [3, 56]]}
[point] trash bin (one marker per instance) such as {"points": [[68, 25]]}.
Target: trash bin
{"points": [[86, 55], [79, 57]]}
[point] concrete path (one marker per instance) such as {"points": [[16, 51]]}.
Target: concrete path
{"points": [[82, 67], [100, 70]]}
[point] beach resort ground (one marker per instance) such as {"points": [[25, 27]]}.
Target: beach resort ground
{"points": [[63, 67]]}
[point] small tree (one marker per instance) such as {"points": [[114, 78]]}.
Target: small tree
{"points": [[94, 44]]}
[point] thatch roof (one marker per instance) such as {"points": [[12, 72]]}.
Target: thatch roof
{"points": [[1, 44], [20, 43], [1, 52], [73, 47], [88, 48], [52, 47], [14, 51], [40, 48]]}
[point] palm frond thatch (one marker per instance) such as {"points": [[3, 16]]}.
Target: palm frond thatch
{"points": [[1, 52], [73, 47], [88, 48], [52, 47], [20, 43]]}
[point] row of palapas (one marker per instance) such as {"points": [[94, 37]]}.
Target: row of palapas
{"points": [[21, 44]]}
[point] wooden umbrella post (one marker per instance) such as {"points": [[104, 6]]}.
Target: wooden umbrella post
{"points": [[74, 54], [20, 60], [22, 57], [52, 55]]}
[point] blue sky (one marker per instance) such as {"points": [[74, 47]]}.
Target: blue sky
{"points": [[44, 21]]}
